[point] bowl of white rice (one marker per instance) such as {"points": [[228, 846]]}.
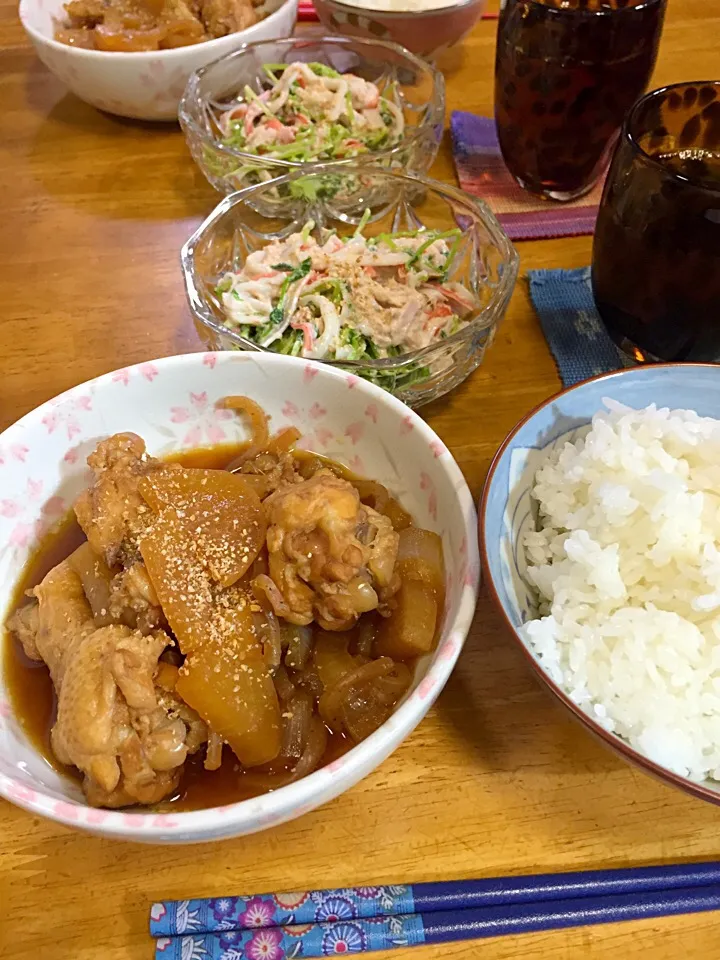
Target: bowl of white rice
{"points": [[425, 27], [600, 537]]}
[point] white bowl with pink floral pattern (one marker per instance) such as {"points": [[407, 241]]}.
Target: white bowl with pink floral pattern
{"points": [[171, 404], [144, 86]]}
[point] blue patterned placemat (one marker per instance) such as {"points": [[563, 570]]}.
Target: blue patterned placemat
{"points": [[563, 301]]}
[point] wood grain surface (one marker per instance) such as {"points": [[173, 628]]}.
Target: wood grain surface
{"points": [[498, 778]]}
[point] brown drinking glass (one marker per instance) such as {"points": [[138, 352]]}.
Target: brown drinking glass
{"points": [[656, 254], [566, 73]]}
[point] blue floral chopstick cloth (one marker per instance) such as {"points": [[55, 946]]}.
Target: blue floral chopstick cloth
{"points": [[578, 341], [284, 926]]}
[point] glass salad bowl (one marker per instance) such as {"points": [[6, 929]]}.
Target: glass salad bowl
{"points": [[388, 211], [412, 104]]}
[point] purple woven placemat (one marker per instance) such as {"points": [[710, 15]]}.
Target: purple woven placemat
{"points": [[482, 172]]}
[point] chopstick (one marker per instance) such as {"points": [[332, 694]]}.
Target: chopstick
{"points": [[442, 926], [175, 917]]}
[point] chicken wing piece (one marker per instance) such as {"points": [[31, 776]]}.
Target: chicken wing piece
{"points": [[133, 599], [182, 23], [227, 16], [93, 722], [330, 558], [64, 618], [266, 472], [126, 734], [126, 597], [111, 512], [86, 13], [24, 624]]}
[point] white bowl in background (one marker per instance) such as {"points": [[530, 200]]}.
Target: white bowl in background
{"points": [[144, 85], [426, 33], [171, 404]]}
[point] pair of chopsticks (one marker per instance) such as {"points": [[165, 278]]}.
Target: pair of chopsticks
{"points": [[361, 919]]}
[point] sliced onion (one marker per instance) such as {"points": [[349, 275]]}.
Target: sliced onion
{"points": [[315, 747], [264, 587], [387, 690], [283, 684], [332, 701], [331, 658], [267, 629], [310, 760], [310, 680], [296, 725], [362, 717], [373, 494], [366, 631], [257, 418], [213, 754], [376, 496], [260, 441], [268, 632], [397, 515], [369, 706], [283, 441], [299, 645]]}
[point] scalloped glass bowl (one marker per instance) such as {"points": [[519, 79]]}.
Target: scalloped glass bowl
{"points": [[419, 91], [486, 263]]}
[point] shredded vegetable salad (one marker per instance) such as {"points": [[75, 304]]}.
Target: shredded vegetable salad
{"points": [[348, 298], [312, 112]]}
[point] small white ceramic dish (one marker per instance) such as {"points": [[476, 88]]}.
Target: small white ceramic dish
{"points": [[171, 404], [144, 86]]}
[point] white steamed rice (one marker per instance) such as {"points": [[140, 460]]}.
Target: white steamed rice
{"points": [[626, 560]]}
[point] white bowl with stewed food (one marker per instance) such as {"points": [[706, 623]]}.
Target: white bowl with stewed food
{"points": [[142, 85], [171, 403]]}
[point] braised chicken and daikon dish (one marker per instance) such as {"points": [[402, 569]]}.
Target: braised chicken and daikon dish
{"points": [[252, 622], [352, 298], [311, 112], [129, 26]]}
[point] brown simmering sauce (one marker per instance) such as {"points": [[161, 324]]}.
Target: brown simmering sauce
{"points": [[29, 686], [31, 690]]}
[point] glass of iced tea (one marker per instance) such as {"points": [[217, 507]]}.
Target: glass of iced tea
{"points": [[656, 254], [566, 73]]}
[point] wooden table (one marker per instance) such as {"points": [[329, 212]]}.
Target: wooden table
{"points": [[498, 778]]}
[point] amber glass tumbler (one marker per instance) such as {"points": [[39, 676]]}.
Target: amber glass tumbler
{"points": [[656, 253], [566, 73]]}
